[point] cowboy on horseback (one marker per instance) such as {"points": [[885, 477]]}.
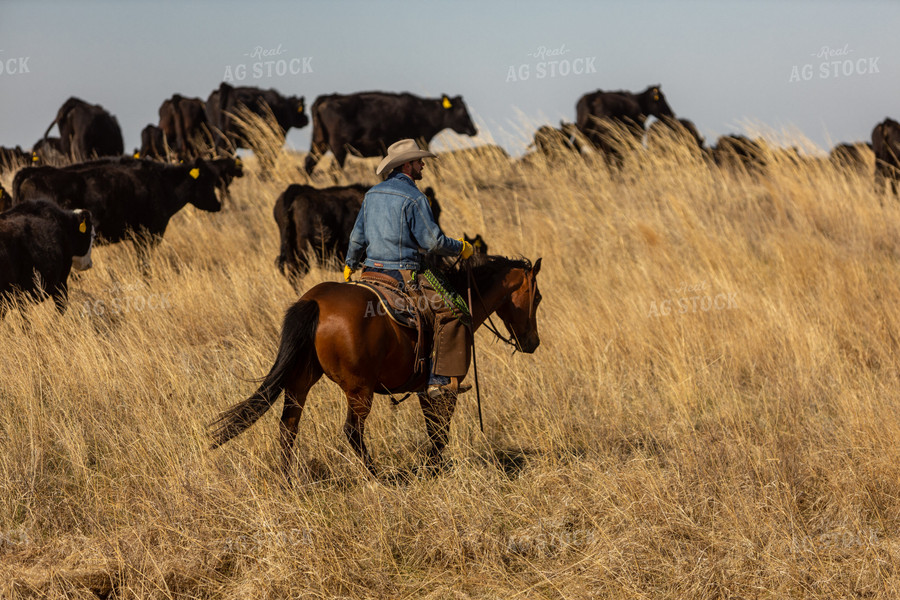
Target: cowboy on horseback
{"points": [[394, 229]]}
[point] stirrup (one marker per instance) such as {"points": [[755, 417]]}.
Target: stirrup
{"points": [[453, 388]]}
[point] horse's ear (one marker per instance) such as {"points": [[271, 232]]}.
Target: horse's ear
{"points": [[536, 267]]}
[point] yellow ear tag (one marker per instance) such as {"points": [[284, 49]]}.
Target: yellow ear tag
{"points": [[477, 244], [34, 157], [82, 227], [656, 97], [446, 103], [238, 163], [195, 172], [136, 155], [300, 109]]}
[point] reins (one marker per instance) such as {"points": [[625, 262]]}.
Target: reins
{"points": [[512, 340]]}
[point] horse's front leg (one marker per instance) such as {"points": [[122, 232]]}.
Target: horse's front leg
{"points": [[438, 412], [358, 407]]}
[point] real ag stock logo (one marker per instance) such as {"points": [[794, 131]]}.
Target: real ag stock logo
{"points": [[834, 63], [692, 298], [17, 65], [551, 63], [270, 62]]}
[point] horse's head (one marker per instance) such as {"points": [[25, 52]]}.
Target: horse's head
{"points": [[519, 310]]}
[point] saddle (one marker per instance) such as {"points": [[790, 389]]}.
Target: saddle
{"points": [[401, 308], [394, 302]]}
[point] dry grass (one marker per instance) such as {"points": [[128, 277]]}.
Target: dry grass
{"points": [[744, 452]]}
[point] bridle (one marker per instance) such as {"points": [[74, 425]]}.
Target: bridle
{"points": [[512, 339]]}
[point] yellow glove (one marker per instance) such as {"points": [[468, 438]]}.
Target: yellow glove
{"points": [[467, 249], [348, 272]]}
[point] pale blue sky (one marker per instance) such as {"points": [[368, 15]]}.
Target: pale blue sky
{"points": [[721, 63]]}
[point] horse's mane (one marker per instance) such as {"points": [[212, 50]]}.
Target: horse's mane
{"points": [[485, 268]]}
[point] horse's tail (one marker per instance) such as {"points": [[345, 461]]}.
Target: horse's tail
{"points": [[297, 346]]}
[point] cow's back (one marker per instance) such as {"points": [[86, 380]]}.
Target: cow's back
{"points": [[32, 240]]}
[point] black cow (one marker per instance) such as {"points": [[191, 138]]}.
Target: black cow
{"points": [[48, 151], [40, 243], [5, 199], [603, 118], [740, 153], [153, 144], [183, 123], [667, 129], [225, 170], [366, 123], [555, 142], [855, 157], [478, 244], [87, 130], [316, 223], [128, 198], [222, 105], [886, 146]]}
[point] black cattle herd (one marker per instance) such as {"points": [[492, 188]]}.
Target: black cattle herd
{"points": [[70, 189]]}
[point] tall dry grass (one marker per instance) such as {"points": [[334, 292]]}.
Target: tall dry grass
{"points": [[648, 449]]}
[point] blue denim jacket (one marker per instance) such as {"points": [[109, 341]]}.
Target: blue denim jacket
{"points": [[394, 223]]}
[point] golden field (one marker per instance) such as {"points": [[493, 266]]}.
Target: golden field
{"points": [[743, 444]]}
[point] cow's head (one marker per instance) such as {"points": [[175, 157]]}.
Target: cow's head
{"points": [[226, 170], [300, 118], [202, 181], [84, 239], [654, 103], [456, 115]]}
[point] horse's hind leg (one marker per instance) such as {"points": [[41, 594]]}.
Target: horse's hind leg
{"points": [[294, 399], [438, 412], [358, 408]]}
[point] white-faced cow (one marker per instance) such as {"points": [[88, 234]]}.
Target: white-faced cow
{"points": [[87, 130], [366, 123], [223, 104], [315, 224], [40, 243]]}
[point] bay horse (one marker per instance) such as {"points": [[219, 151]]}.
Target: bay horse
{"points": [[332, 330]]}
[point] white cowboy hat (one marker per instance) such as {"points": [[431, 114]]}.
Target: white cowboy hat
{"points": [[399, 153]]}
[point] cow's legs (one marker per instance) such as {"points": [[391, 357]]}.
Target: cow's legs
{"points": [[358, 407], [340, 155], [438, 412]]}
